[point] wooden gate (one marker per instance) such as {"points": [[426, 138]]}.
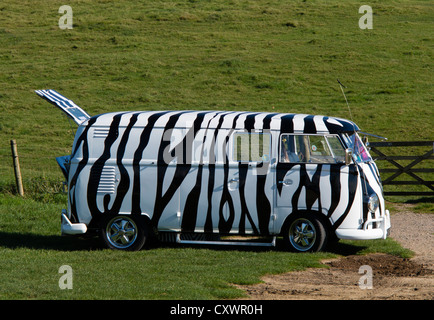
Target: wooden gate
{"points": [[411, 154]]}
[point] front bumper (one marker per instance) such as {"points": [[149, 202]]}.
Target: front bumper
{"points": [[69, 228], [367, 232]]}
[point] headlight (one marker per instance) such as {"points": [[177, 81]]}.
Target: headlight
{"points": [[373, 202]]}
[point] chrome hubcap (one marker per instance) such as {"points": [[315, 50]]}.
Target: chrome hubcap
{"points": [[302, 234], [121, 232]]}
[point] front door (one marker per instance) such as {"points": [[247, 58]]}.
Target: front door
{"points": [[310, 175]]}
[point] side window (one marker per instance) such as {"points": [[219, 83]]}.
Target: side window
{"points": [[251, 147], [320, 150], [310, 149]]}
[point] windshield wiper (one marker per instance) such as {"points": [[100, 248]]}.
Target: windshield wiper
{"points": [[372, 135]]}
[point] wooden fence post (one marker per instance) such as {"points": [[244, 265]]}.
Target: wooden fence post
{"points": [[17, 169]]}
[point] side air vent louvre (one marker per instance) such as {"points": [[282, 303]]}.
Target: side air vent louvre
{"points": [[100, 132], [107, 182]]}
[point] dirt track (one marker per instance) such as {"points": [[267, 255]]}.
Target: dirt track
{"points": [[392, 278]]}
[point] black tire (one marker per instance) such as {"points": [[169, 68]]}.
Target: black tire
{"points": [[123, 232], [305, 233]]}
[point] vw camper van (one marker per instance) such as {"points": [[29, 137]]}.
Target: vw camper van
{"points": [[305, 178]]}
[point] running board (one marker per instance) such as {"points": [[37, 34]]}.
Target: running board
{"points": [[227, 243]]}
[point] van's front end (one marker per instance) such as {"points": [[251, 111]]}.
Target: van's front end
{"points": [[370, 220]]}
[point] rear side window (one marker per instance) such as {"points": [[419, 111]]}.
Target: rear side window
{"points": [[311, 149], [251, 147]]}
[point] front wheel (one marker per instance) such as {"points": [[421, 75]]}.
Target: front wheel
{"points": [[305, 233], [123, 232]]}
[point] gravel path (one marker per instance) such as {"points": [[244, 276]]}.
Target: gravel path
{"points": [[415, 231], [393, 278]]}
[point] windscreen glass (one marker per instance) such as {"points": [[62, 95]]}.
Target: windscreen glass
{"points": [[360, 152]]}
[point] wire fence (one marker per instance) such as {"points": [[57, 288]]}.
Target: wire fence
{"points": [[43, 162], [40, 174]]}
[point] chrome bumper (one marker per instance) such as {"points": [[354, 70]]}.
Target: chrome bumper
{"points": [[367, 233]]}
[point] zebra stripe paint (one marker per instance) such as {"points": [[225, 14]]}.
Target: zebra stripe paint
{"points": [[222, 173]]}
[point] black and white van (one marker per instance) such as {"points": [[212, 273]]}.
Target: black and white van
{"points": [[306, 178]]}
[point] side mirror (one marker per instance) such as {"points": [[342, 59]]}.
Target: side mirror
{"points": [[348, 156]]}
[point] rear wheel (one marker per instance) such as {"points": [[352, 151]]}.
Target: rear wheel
{"points": [[123, 232], [305, 233]]}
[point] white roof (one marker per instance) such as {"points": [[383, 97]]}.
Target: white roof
{"points": [[286, 122]]}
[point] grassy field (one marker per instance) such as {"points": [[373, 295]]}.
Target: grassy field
{"points": [[32, 251], [282, 56]]}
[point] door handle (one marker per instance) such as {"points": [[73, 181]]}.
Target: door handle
{"points": [[287, 182], [233, 184]]}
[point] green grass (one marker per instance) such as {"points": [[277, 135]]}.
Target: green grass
{"points": [[224, 55], [282, 56], [32, 251], [166, 273]]}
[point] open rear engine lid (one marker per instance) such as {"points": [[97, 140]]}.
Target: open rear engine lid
{"points": [[68, 106]]}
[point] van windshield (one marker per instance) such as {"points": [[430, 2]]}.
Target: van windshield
{"points": [[360, 152]]}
